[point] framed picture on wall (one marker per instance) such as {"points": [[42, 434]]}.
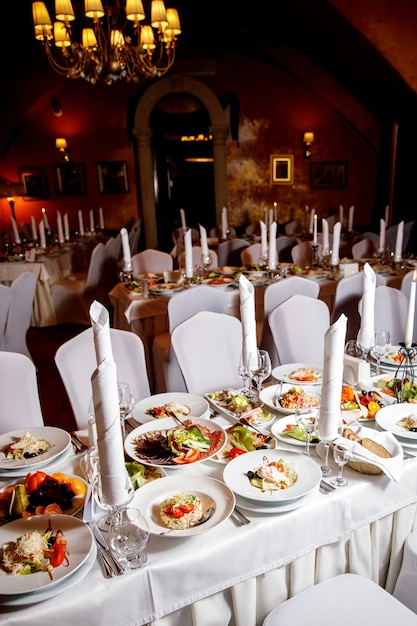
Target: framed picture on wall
{"points": [[328, 174], [70, 178], [112, 177], [282, 169], [34, 183]]}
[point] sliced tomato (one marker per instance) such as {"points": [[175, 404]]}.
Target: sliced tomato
{"points": [[59, 550], [192, 456], [35, 481], [186, 508], [234, 452]]}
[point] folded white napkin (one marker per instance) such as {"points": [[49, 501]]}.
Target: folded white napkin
{"points": [[391, 466], [247, 316], [127, 258], [203, 241], [80, 224], [336, 243], [382, 228], [188, 242], [350, 222], [60, 228], [15, 231], [341, 211], [106, 411], [92, 229], [367, 308], [264, 240], [42, 234], [325, 230], [34, 230], [66, 227], [101, 218], [312, 214], [399, 242], [330, 413], [183, 221], [272, 262], [225, 226]]}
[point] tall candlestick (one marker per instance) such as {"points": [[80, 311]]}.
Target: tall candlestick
{"points": [[409, 328], [315, 230], [312, 214], [92, 229], [34, 231], [203, 241], [381, 235], [45, 219], [60, 229], [275, 212], [42, 234], [80, 224], [101, 218], [350, 223], [341, 215], [66, 227], [272, 259]]}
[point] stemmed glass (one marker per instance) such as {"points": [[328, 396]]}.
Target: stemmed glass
{"points": [[260, 368], [206, 261], [129, 535], [244, 374], [341, 454], [326, 441], [126, 404], [306, 412], [382, 345], [111, 509]]}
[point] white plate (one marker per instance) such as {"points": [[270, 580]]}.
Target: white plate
{"points": [[388, 417], [165, 290], [282, 372], [58, 439], [280, 426], [266, 417], [49, 467], [227, 269], [199, 407], [271, 445], [267, 395], [51, 592], [385, 362], [254, 507], [79, 545], [308, 476], [371, 384], [164, 424], [226, 282], [212, 492]]}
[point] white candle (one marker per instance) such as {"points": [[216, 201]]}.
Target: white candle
{"points": [[275, 212], [271, 217], [60, 229], [264, 240], [409, 328], [350, 223], [382, 235], [15, 231], [66, 227], [189, 267], [92, 229], [341, 214], [224, 223], [203, 241], [42, 234], [45, 219], [387, 214], [325, 229], [127, 258], [101, 218], [80, 224], [399, 242], [272, 262], [315, 230], [183, 222], [336, 243], [34, 230]]}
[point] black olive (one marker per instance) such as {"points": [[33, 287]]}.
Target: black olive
{"points": [[40, 451], [413, 430], [262, 447], [250, 474]]}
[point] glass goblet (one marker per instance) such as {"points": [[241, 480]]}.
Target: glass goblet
{"points": [[111, 509], [126, 404], [341, 454], [306, 413], [206, 261], [260, 369], [244, 374], [326, 441], [129, 535], [381, 345]]}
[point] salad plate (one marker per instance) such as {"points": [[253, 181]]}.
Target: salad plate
{"points": [[49, 467], [278, 431], [58, 439], [198, 406], [267, 396], [165, 290], [380, 384], [389, 359], [299, 373], [244, 437], [388, 418], [79, 546], [212, 493], [308, 476], [234, 405], [154, 449]]}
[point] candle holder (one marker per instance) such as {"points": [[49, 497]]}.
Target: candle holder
{"points": [[315, 255], [405, 371]]}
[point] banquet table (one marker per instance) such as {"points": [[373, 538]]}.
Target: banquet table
{"points": [[48, 269], [233, 576]]}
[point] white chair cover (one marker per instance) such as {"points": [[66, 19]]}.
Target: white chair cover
{"points": [[406, 585], [284, 246], [364, 249], [253, 229], [168, 376], [109, 275], [275, 294], [72, 297], [251, 254], [151, 261], [391, 310], [302, 253], [5, 300], [134, 236], [298, 326], [197, 257], [76, 361], [367, 235], [405, 288], [229, 251], [217, 231], [20, 312], [348, 599], [293, 228], [208, 347], [20, 405]]}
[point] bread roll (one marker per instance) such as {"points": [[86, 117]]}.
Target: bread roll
{"points": [[367, 443]]}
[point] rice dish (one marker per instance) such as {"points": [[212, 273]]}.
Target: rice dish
{"points": [[181, 511]]}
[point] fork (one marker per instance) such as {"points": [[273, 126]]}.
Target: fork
{"points": [[238, 517], [326, 488]]}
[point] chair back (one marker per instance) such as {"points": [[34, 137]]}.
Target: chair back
{"points": [[391, 311], [293, 228], [186, 303], [302, 253], [298, 326], [20, 405], [217, 232], [364, 249], [5, 300], [284, 246], [151, 261], [275, 294], [229, 251], [20, 312], [96, 266], [76, 361], [198, 256], [253, 229], [251, 254], [367, 235], [178, 235], [134, 236], [208, 347]]}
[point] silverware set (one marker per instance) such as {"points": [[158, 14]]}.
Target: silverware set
{"points": [[238, 517], [326, 488]]}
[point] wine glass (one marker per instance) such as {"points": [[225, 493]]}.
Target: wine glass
{"points": [[126, 404], [342, 454], [306, 413], [352, 348], [260, 368], [111, 509], [206, 261], [326, 441], [129, 535], [244, 374], [382, 345]]}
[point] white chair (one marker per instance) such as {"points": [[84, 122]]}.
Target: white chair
{"points": [[349, 291], [20, 312], [229, 251], [405, 288], [367, 235], [347, 599], [20, 405], [406, 584], [182, 306], [302, 254], [208, 347], [109, 274], [197, 257], [293, 228], [275, 294], [284, 246], [76, 361], [251, 254], [134, 236], [391, 310], [298, 326], [5, 300], [364, 249], [151, 261], [72, 297], [217, 232], [253, 229]]}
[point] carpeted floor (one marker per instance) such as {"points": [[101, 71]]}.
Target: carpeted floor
{"points": [[43, 344]]}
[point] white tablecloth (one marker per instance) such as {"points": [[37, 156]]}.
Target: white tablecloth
{"points": [[236, 575]]}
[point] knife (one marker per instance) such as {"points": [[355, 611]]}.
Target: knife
{"points": [[99, 537], [88, 515]]}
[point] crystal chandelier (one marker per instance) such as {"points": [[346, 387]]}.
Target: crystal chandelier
{"points": [[111, 43]]}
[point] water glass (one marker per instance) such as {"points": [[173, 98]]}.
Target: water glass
{"points": [[306, 414], [382, 345], [342, 454], [260, 368], [129, 535], [126, 404]]}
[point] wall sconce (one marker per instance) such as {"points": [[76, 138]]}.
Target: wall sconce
{"points": [[61, 145], [308, 139]]}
